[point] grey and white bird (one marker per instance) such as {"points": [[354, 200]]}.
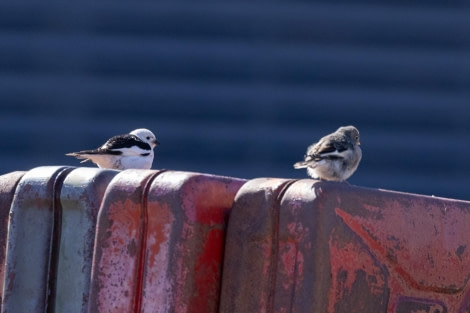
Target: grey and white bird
{"points": [[133, 150], [334, 157]]}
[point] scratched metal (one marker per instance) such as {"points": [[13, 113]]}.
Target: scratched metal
{"points": [[185, 241], [29, 270], [116, 271], [251, 249], [8, 184], [159, 242], [80, 198], [340, 248]]}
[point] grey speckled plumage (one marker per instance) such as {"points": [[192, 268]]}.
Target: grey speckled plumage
{"points": [[334, 157]]}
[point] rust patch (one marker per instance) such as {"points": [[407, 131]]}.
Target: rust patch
{"points": [[132, 248]]}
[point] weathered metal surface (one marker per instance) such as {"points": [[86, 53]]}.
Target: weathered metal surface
{"points": [[333, 247], [30, 260], [115, 277], [80, 198], [185, 241], [250, 258], [159, 242], [8, 184]]}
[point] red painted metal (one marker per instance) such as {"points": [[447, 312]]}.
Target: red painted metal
{"points": [[159, 242], [8, 184], [119, 240], [250, 260], [312, 246], [185, 240], [32, 239]]}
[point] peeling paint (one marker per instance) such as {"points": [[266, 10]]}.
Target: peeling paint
{"points": [[160, 249], [360, 250]]}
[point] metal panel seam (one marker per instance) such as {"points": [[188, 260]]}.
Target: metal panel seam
{"points": [[275, 245], [140, 271], [55, 242]]}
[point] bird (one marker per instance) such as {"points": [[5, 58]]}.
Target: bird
{"points": [[335, 157], [121, 152]]}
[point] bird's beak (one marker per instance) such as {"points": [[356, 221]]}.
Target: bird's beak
{"points": [[156, 142], [358, 143]]}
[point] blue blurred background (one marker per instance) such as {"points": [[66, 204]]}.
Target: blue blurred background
{"points": [[242, 88]]}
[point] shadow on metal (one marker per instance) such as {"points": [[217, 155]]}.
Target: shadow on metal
{"points": [[32, 239], [8, 184]]}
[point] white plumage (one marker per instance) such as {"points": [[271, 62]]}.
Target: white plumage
{"points": [[133, 150]]}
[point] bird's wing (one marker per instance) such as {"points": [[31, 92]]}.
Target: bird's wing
{"points": [[126, 145], [118, 145], [327, 149], [125, 141]]}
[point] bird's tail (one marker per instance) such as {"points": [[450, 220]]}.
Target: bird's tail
{"points": [[78, 155], [301, 164], [74, 154]]}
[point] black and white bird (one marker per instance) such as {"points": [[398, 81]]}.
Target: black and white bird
{"points": [[133, 150], [334, 157]]}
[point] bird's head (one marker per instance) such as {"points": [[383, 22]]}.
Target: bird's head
{"points": [[352, 133], [146, 136]]}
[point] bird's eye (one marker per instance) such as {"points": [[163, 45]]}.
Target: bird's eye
{"points": [[148, 137]]}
